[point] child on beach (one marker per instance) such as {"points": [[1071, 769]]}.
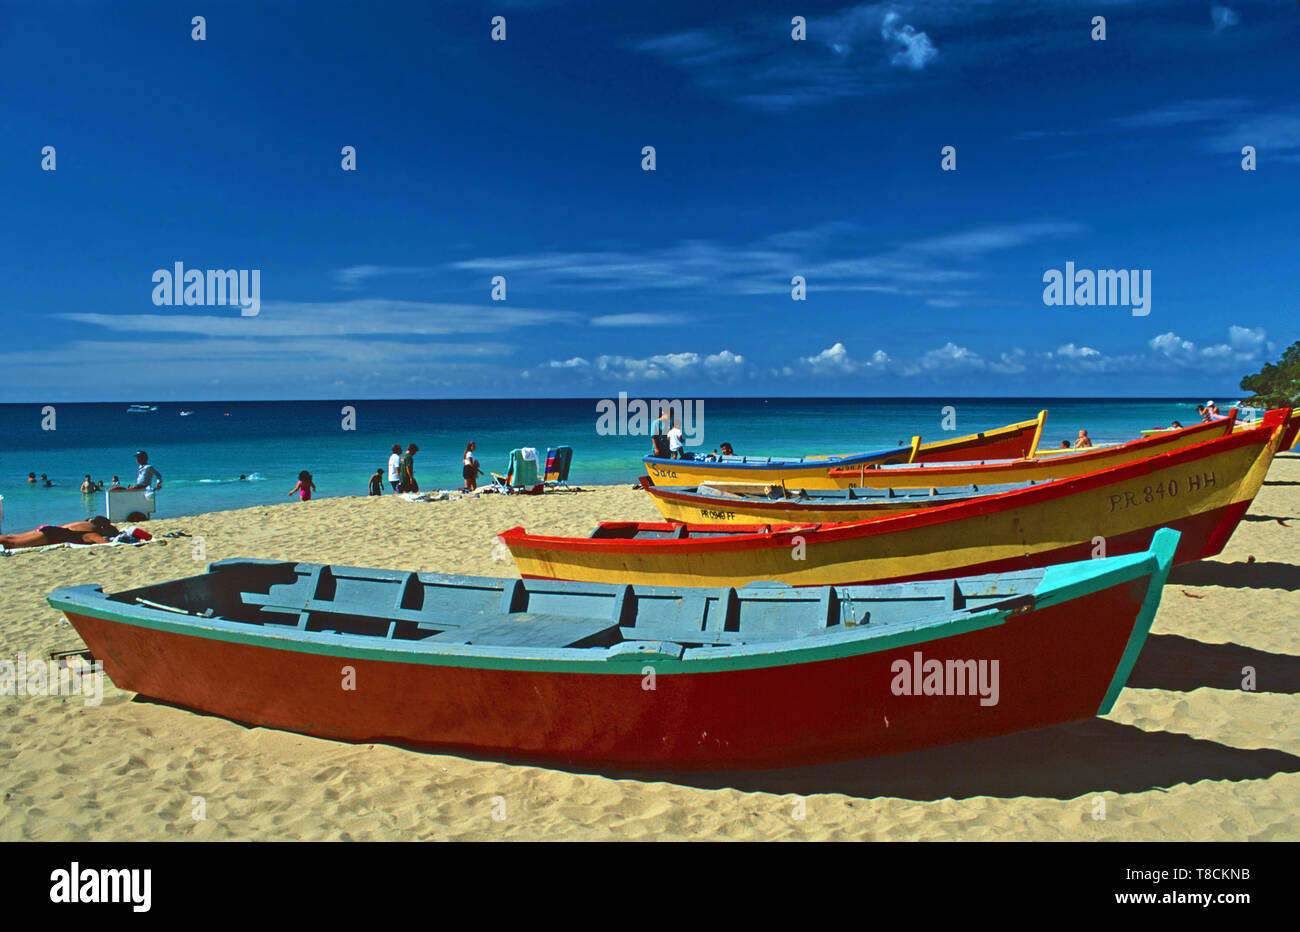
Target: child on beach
{"points": [[395, 468], [305, 486], [377, 482]]}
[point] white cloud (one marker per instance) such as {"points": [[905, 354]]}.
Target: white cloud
{"points": [[836, 360], [915, 49], [637, 320], [1071, 351], [724, 365], [837, 257], [339, 318]]}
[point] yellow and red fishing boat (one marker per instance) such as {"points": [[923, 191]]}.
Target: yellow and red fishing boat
{"points": [[1060, 465], [1200, 490], [877, 471], [1009, 442]]}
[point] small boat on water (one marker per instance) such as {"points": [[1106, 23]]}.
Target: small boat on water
{"points": [[1202, 491], [141, 409], [627, 676], [1010, 442], [186, 413]]}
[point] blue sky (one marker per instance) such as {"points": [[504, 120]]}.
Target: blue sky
{"points": [[523, 158]]}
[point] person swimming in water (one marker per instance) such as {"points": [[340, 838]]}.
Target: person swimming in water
{"points": [[1083, 441], [97, 530]]}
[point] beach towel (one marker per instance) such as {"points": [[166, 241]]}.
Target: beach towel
{"points": [[528, 453]]}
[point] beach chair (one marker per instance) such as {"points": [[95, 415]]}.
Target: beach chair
{"points": [[521, 475], [557, 467]]}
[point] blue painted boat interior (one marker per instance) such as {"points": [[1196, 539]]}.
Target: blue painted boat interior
{"points": [[424, 611]]}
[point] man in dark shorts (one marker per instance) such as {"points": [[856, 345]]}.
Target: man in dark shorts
{"points": [[408, 470]]}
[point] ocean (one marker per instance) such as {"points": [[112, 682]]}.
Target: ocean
{"points": [[201, 456]]}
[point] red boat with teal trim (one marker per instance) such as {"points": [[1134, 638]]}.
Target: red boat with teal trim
{"points": [[630, 676]]}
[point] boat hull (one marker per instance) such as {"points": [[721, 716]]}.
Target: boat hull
{"points": [[1202, 491], [770, 716]]}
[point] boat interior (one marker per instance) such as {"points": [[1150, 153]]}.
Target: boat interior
{"points": [[780, 493], [512, 613]]}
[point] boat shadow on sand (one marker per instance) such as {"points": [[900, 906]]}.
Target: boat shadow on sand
{"points": [[1171, 661], [1062, 762], [1255, 575]]}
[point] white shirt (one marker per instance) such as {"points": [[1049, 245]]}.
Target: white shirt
{"points": [[394, 464], [675, 439]]}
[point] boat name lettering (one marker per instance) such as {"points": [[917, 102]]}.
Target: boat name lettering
{"points": [[716, 515], [1197, 482]]}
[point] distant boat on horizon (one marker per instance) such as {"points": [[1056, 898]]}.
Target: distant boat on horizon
{"points": [[186, 413], [141, 409]]}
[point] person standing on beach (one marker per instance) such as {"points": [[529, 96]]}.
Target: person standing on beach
{"points": [[395, 468], [470, 468], [377, 482], [146, 473], [407, 472], [305, 486]]}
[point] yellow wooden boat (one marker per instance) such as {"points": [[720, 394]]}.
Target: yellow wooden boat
{"points": [[1201, 490], [1035, 468], [1003, 443]]}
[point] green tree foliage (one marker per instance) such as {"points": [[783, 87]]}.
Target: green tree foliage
{"points": [[1276, 386]]}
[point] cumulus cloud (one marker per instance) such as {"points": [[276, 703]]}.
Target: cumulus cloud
{"points": [[723, 366], [1070, 351], [1167, 352], [836, 360]]}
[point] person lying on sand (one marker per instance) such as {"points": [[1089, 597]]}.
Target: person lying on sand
{"points": [[97, 530]]}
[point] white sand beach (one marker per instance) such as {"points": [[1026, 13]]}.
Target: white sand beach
{"points": [[1185, 755]]}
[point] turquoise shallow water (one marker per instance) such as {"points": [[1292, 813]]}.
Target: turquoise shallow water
{"points": [[201, 456]]}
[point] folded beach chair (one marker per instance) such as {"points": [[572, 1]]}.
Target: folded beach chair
{"points": [[521, 475], [557, 466]]}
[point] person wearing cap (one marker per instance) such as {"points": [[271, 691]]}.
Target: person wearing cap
{"points": [[1212, 410], [146, 473]]}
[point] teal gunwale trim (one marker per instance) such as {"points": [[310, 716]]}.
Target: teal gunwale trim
{"points": [[852, 642], [1163, 545]]}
